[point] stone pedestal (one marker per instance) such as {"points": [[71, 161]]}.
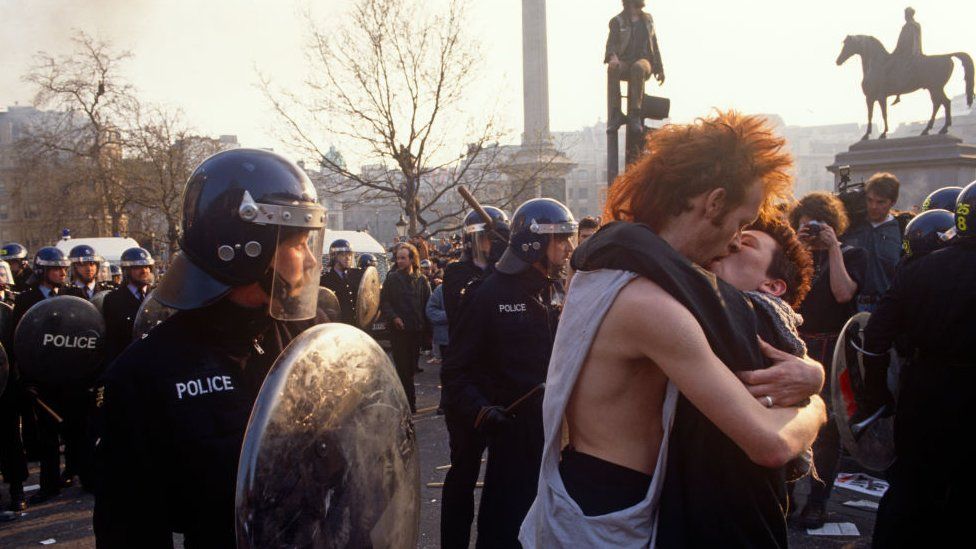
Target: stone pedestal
{"points": [[922, 164]]}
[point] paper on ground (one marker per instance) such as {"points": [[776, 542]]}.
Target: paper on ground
{"points": [[49, 541], [835, 529], [32, 487], [862, 504], [859, 482]]}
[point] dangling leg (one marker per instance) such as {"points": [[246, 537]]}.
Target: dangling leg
{"points": [[947, 107]]}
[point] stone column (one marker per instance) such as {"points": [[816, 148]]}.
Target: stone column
{"points": [[535, 73]]}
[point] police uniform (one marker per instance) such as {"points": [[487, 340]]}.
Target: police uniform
{"points": [[174, 408], [929, 306], [88, 292], [501, 341], [119, 309], [346, 288]]}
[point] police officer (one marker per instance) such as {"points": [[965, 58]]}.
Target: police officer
{"points": [[122, 304], [467, 444], [13, 461], [343, 279], [85, 263], [929, 305], [16, 255], [50, 278], [7, 294], [175, 404], [928, 231], [366, 260], [941, 199], [500, 345], [115, 272]]}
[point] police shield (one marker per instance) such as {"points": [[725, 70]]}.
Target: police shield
{"points": [[98, 300], [368, 298], [6, 321], [330, 455], [329, 304], [60, 340], [870, 440], [4, 369], [151, 313]]}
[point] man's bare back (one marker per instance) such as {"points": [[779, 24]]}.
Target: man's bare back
{"points": [[615, 411]]}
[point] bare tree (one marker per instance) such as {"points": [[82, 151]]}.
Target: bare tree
{"points": [[393, 82], [164, 152], [88, 98]]}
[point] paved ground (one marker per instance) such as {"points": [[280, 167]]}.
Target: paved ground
{"points": [[67, 519]]}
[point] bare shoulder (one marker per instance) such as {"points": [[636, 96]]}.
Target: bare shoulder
{"points": [[649, 314]]}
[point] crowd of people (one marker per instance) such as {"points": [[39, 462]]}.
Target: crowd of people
{"points": [[657, 376]]}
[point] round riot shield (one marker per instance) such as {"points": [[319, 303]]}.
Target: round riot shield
{"points": [[6, 321], [870, 440], [98, 300], [151, 314], [368, 298], [330, 455], [329, 304], [4, 369], [60, 340]]}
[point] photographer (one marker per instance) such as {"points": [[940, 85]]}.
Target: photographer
{"points": [[879, 234], [839, 271]]}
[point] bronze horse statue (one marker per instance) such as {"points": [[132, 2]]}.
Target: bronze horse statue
{"points": [[884, 78]]}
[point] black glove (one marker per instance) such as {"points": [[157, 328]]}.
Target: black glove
{"points": [[492, 420]]}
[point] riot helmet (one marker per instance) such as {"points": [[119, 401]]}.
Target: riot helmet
{"points": [[249, 216], [137, 265], [13, 251], [116, 273], [340, 251], [535, 225], [367, 260], [478, 239], [49, 259], [6, 276], [966, 212], [942, 199], [927, 232], [84, 263]]}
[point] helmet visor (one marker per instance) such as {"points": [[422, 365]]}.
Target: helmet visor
{"points": [[104, 272], [295, 276], [480, 242], [6, 278]]}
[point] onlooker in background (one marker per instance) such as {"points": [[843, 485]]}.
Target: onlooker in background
{"points": [[420, 243], [838, 272], [880, 236], [403, 301], [587, 226], [437, 317]]}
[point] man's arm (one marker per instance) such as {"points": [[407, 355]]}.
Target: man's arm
{"points": [[610, 53], [674, 340]]}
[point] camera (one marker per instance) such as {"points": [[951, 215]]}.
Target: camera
{"points": [[851, 195], [814, 228]]}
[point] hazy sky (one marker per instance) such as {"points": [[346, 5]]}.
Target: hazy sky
{"points": [[770, 56]]}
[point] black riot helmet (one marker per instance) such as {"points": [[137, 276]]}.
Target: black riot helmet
{"points": [[942, 199], [49, 257], [966, 212], [367, 260], [13, 252], [927, 232], [83, 253], [478, 240], [249, 216], [341, 250], [533, 226], [135, 257]]}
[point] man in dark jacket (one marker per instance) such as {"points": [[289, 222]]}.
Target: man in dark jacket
{"points": [[122, 304], [175, 404], [631, 55], [499, 353], [403, 303]]}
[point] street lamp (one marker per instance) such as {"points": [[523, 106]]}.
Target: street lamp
{"points": [[401, 228]]}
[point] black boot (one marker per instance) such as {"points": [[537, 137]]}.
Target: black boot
{"points": [[17, 500], [634, 124], [617, 119], [813, 515]]}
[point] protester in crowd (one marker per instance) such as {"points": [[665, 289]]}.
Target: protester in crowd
{"points": [[437, 317], [839, 271], [879, 235], [587, 226], [403, 301]]}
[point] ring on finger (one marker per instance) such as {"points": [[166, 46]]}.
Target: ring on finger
{"points": [[768, 401]]}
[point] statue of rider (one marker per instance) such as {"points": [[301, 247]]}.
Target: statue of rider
{"points": [[908, 51]]}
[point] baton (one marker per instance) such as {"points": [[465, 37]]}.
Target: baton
{"points": [[521, 400], [54, 415], [476, 206]]}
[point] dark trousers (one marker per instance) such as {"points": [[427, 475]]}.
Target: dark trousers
{"points": [[13, 460], [511, 479], [636, 74], [72, 406], [826, 449], [457, 500], [926, 505], [406, 353]]}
